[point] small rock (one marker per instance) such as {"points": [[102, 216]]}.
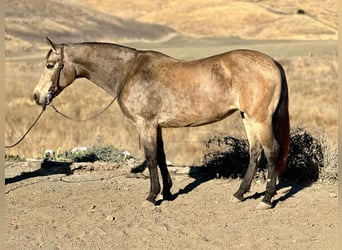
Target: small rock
{"points": [[169, 163], [110, 218], [49, 153], [333, 195], [126, 153], [300, 12], [78, 149]]}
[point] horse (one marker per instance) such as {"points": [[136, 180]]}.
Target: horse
{"points": [[156, 91]]}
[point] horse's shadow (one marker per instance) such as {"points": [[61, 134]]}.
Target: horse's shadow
{"points": [[290, 187], [47, 168], [305, 160], [287, 187]]}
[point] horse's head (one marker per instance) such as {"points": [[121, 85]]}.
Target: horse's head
{"points": [[58, 73]]}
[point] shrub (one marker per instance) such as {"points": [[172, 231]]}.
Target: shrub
{"points": [[309, 159], [13, 158], [91, 154]]}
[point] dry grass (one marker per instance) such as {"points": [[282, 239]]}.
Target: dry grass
{"points": [[27, 22], [313, 104], [313, 93], [312, 78], [263, 19], [53, 131]]}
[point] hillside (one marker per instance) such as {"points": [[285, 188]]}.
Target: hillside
{"points": [[258, 19], [28, 22]]}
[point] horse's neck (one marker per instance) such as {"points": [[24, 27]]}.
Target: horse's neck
{"points": [[105, 65]]}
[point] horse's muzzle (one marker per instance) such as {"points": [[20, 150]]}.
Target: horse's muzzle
{"points": [[43, 100]]}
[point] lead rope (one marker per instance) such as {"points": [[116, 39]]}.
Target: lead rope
{"points": [[22, 138], [85, 119], [70, 118], [99, 113], [66, 116]]}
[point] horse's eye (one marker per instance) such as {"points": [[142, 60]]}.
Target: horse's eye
{"points": [[50, 65]]}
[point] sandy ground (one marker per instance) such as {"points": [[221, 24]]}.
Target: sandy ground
{"points": [[101, 206]]}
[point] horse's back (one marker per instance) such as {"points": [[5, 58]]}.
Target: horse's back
{"points": [[187, 93]]}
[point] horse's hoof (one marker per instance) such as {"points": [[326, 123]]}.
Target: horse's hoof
{"points": [[167, 196], [147, 204], [233, 199], [264, 206]]}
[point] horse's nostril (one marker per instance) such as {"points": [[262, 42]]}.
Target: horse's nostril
{"points": [[36, 97]]}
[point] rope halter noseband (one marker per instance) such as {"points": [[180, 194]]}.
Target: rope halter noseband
{"points": [[55, 88]]}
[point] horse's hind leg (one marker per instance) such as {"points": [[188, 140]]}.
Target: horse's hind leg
{"points": [[167, 182], [271, 150], [148, 135], [255, 153]]}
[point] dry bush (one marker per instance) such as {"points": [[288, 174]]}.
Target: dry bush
{"points": [[310, 158]]}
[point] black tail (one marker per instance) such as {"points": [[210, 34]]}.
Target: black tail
{"points": [[281, 123]]}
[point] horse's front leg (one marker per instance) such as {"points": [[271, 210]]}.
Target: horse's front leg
{"points": [[149, 140], [167, 182]]}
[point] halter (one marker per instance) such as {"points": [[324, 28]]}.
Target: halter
{"points": [[54, 90], [55, 87]]}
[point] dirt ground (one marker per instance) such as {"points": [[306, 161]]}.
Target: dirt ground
{"points": [[102, 206]]}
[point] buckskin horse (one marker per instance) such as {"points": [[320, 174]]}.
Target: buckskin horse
{"points": [[156, 91]]}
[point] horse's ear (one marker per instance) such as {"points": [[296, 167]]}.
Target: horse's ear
{"points": [[52, 44]]}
